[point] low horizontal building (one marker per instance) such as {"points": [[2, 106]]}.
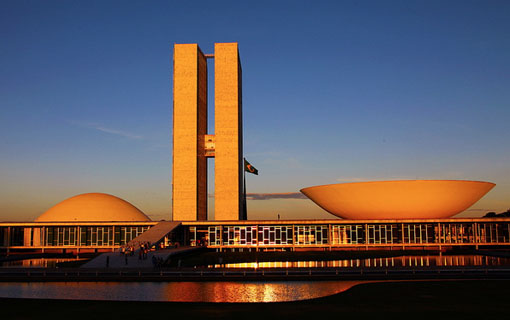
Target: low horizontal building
{"points": [[427, 234], [97, 222]]}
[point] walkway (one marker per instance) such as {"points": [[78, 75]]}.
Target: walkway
{"points": [[155, 234], [251, 274], [118, 260]]}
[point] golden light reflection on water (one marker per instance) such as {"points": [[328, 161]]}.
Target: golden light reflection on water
{"points": [[404, 261], [254, 291], [178, 291], [233, 291], [35, 263]]}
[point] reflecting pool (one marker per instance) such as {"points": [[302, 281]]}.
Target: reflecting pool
{"points": [[402, 261], [177, 291], [35, 263]]}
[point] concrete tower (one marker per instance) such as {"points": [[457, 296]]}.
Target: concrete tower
{"points": [[189, 180], [229, 132], [191, 143]]}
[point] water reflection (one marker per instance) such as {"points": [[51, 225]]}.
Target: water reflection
{"points": [[35, 263], [178, 291], [403, 261]]}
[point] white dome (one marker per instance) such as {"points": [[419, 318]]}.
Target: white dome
{"points": [[93, 207]]}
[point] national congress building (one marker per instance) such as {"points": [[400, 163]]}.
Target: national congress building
{"points": [[384, 215]]}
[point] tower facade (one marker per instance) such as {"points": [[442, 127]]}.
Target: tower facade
{"points": [[228, 180], [189, 168], [191, 143]]}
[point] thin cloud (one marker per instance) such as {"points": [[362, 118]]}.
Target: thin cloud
{"points": [[108, 130], [117, 132], [270, 196], [366, 179]]}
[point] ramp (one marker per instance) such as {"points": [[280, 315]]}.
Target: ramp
{"points": [[155, 234], [117, 260]]}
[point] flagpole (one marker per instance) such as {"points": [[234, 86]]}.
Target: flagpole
{"points": [[245, 210]]}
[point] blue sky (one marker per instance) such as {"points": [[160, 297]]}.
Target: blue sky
{"points": [[333, 91]]}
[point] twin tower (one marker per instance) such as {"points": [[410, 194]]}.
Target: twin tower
{"points": [[192, 144]]}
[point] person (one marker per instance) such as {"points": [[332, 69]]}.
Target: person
{"points": [[107, 261], [126, 259]]}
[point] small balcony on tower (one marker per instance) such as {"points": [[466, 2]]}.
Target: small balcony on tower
{"points": [[209, 145]]}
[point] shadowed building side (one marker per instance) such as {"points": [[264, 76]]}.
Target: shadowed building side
{"points": [[189, 179], [228, 130]]}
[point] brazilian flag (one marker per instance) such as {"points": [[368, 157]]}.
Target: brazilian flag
{"points": [[249, 168]]}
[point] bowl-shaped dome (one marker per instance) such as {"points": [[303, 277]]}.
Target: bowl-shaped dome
{"points": [[410, 199], [93, 207]]}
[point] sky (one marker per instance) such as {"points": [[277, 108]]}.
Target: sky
{"points": [[333, 92]]}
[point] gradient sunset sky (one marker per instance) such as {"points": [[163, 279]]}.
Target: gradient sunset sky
{"points": [[333, 91]]}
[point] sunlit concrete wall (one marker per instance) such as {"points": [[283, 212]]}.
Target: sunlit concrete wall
{"points": [[189, 179], [404, 199], [228, 131]]}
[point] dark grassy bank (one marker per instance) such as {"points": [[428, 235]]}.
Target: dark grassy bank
{"points": [[213, 257], [394, 300]]}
